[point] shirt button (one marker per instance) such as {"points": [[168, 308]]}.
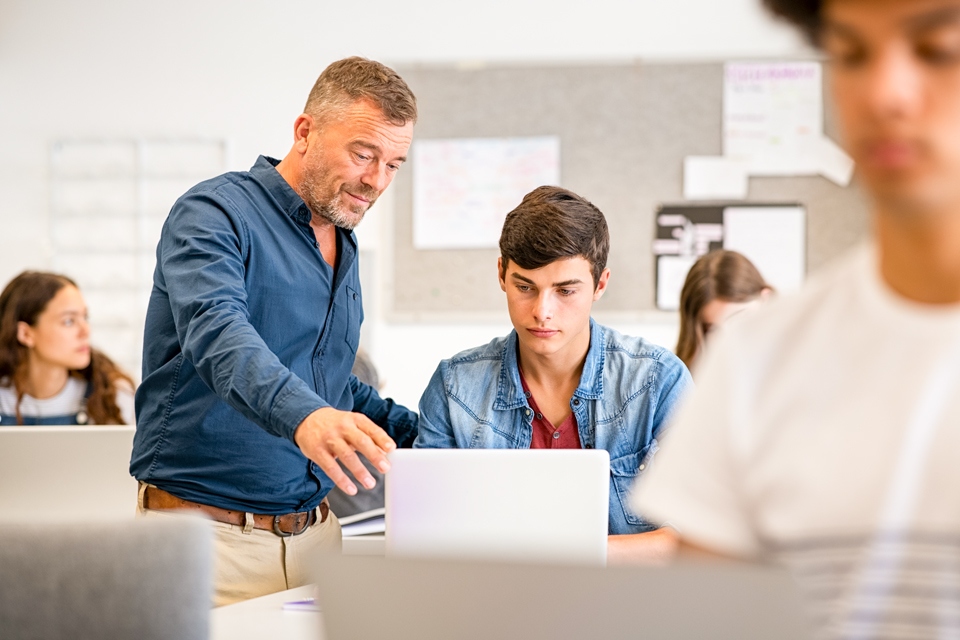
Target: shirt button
{"points": [[556, 435], [539, 416], [527, 411], [526, 394], [354, 296], [576, 401], [589, 446], [642, 467]]}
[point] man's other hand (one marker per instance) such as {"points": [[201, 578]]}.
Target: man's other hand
{"points": [[328, 434]]}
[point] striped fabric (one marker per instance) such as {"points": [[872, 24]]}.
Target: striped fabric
{"points": [[888, 586]]}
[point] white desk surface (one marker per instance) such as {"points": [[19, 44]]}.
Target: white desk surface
{"points": [[264, 617]]}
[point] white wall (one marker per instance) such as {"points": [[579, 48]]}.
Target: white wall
{"points": [[239, 71]]}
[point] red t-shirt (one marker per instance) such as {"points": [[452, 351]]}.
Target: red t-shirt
{"points": [[545, 435]]}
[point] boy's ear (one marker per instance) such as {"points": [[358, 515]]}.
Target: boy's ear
{"points": [[501, 273], [602, 284]]}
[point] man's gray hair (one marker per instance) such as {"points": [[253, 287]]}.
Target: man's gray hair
{"points": [[351, 79]]}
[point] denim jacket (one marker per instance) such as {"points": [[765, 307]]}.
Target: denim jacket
{"points": [[627, 392]]}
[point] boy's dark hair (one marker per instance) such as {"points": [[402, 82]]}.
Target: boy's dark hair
{"points": [[805, 14], [551, 224]]}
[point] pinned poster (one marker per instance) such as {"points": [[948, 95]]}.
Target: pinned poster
{"points": [[773, 124], [773, 237], [463, 188], [714, 178]]}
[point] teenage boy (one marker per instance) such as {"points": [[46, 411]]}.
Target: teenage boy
{"points": [[825, 428], [560, 380]]}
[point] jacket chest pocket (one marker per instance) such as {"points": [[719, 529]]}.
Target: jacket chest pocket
{"points": [[623, 475], [354, 306]]}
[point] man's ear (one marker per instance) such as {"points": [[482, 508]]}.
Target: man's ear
{"points": [[501, 273], [602, 284], [302, 127], [25, 334]]}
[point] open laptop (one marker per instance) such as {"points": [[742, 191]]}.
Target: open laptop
{"points": [[495, 504], [363, 597], [69, 472]]}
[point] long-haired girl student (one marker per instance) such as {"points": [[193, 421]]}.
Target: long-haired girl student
{"points": [[49, 373]]}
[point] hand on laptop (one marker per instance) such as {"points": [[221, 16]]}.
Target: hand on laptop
{"points": [[328, 434]]}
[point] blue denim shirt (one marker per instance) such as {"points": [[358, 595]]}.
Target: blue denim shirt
{"points": [[248, 331], [628, 389]]}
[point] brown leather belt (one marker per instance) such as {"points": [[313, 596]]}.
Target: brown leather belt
{"points": [[289, 524]]}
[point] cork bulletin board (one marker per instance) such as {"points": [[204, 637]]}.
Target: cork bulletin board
{"points": [[624, 132]]}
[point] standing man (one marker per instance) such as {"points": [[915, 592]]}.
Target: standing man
{"points": [[825, 427], [247, 398]]}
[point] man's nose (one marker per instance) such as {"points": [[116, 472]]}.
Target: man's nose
{"points": [[377, 178]]}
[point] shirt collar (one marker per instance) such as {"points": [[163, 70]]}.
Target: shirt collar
{"points": [[510, 394], [265, 170]]}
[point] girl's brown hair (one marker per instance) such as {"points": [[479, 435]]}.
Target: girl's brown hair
{"points": [[23, 300], [719, 275]]}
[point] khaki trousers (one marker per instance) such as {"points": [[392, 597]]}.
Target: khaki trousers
{"points": [[253, 562]]}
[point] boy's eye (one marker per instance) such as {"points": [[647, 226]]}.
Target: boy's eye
{"points": [[567, 292]]}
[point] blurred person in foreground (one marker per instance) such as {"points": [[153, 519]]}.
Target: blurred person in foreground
{"points": [[719, 285], [824, 430], [247, 401], [49, 373], [560, 380]]}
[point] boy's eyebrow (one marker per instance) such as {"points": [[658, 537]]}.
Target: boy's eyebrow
{"points": [[933, 19], [565, 283]]}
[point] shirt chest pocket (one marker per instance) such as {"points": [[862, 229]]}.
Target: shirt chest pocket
{"points": [[354, 306]]}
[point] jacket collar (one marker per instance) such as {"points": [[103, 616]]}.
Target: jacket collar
{"points": [[510, 393]]}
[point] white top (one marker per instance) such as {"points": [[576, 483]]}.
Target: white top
{"points": [[67, 402], [824, 433]]}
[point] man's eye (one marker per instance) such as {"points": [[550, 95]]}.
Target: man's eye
{"points": [[394, 167], [363, 157]]}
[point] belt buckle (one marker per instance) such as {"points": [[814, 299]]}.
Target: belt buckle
{"points": [[276, 527]]}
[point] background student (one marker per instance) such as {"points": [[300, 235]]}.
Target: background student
{"points": [[49, 374], [560, 380], [719, 285]]}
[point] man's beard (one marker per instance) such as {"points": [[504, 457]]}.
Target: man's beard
{"points": [[331, 207]]}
